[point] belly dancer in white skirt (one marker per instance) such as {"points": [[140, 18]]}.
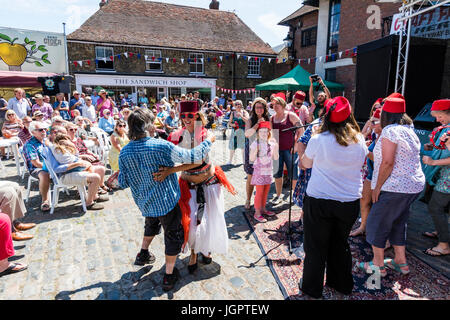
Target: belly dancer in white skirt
{"points": [[201, 202]]}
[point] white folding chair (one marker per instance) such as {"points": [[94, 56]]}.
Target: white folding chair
{"points": [[57, 185], [30, 178], [23, 169], [105, 145]]}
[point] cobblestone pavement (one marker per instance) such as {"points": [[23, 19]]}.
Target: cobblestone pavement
{"points": [[90, 256]]}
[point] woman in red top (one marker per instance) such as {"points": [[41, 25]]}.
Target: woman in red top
{"points": [[282, 120]]}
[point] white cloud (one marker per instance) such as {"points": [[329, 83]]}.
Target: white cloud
{"points": [[270, 22]]}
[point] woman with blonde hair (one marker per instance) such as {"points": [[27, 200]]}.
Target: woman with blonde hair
{"points": [[281, 121], [336, 155], [119, 139]]}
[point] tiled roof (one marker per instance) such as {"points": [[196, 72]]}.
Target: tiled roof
{"points": [[138, 22], [300, 12]]}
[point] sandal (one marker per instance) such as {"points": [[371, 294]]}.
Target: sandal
{"points": [[372, 268], [431, 235], [435, 254], [45, 207], [101, 191], [94, 206], [391, 264], [11, 269], [106, 188]]}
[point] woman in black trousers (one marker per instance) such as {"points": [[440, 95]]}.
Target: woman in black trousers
{"points": [[336, 155]]}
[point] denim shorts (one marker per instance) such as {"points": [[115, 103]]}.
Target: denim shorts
{"points": [[285, 158]]}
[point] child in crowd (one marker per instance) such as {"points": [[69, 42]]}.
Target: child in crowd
{"points": [[65, 152], [262, 153]]}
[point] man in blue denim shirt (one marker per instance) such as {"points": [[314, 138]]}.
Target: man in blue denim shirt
{"points": [[158, 201]]}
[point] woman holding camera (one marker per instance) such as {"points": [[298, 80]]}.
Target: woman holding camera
{"points": [[440, 178], [336, 155]]}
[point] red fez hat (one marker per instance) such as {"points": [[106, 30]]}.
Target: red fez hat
{"points": [[441, 105], [264, 124], [280, 95], [189, 106], [300, 95], [394, 105], [377, 114], [341, 110], [396, 95]]}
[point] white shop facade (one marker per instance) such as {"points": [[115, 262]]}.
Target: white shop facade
{"points": [[154, 86]]}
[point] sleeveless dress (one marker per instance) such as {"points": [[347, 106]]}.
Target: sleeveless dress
{"points": [[114, 153], [237, 138]]}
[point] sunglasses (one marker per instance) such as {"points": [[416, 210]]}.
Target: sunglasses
{"points": [[121, 126], [189, 115], [40, 130], [9, 115], [298, 103], [108, 113], [72, 130]]}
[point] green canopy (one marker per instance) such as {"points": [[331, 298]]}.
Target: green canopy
{"points": [[296, 79]]}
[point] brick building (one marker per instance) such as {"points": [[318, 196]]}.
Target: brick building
{"points": [[325, 27], [160, 49]]}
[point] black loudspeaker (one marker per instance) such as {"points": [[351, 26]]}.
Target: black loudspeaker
{"points": [[64, 84], [376, 70]]}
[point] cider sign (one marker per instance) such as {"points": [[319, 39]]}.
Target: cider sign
{"points": [[35, 51]]}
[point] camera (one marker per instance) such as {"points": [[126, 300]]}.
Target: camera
{"points": [[315, 77]]}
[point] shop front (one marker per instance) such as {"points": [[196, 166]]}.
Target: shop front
{"points": [[148, 86]]}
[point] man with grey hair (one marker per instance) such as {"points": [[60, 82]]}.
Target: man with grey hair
{"points": [[139, 160], [34, 158]]}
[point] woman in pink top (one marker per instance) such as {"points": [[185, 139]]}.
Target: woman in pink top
{"points": [[262, 153], [104, 102]]}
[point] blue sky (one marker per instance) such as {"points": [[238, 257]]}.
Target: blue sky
{"points": [[262, 16]]}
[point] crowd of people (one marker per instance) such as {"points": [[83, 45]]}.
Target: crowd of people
{"points": [[336, 171]]}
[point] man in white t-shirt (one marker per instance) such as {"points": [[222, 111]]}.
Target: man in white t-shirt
{"points": [[19, 104]]}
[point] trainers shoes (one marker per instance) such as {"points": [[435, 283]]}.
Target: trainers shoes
{"points": [[277, 200], [144, 258], [169, 280]]}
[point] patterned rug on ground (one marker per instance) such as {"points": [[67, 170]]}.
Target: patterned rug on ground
{"points": [[422, 282]]}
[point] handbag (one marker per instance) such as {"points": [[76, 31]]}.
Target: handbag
{"points": [[113, 181]]}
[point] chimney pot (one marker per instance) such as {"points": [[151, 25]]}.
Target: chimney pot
{"points": [[214, 5], [102, 3]]}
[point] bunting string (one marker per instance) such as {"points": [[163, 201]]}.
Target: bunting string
{"points": [[219, 60]]}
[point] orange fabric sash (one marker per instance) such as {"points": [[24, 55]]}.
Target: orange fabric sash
{"points": [[186, 197]]}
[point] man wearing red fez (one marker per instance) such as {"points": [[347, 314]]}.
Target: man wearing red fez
{"points": [[437, 173], [201, 202], [298, 107]]}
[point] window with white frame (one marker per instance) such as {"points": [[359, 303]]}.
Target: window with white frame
{"points": [[196, 63], [153, 60], [254, 66], [103, 58]]}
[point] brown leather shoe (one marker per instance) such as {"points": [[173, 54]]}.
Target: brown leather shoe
{"points": [[19, 236], [24, 226]]}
